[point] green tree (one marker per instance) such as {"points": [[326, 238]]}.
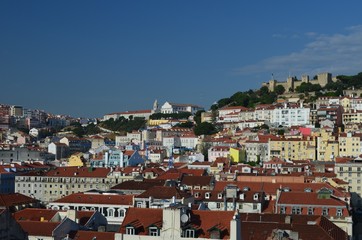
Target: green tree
{"points": [[279, 89], [264, 90], [204, 128], [187, 124]]}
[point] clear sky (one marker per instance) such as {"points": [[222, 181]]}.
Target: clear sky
{"points": [[89, 58]]}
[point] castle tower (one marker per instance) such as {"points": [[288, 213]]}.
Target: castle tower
{"points": [[290, 84], [272, 85], [324, 78], [305, 78]]}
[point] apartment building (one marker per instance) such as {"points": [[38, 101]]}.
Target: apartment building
{"points": [[59, 182], [349, 144], [327, 145], [290, 115], [349, 170], [111, 205], [293, 148], [315, 203]]}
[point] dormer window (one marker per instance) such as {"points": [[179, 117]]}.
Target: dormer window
{"points": [[130, 230], [153, 231], [325, 211], [189, 233], [339, 212], [197, 195], [310, 211], [219, 196], [286, 189], [207, 195], [308, 190], [241, 196], [256, 196]]}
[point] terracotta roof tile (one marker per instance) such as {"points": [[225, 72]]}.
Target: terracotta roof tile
{"points": [[162, 192], [91, 235], [141, 219], [13, 199], [38, 228], [87, 198]]}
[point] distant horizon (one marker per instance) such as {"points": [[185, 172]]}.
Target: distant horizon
{"points": [[160, 104], [90, 58]]}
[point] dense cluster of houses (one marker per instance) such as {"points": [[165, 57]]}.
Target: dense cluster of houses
{"points": [[280, 171]]}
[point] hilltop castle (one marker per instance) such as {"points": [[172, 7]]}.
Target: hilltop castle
{"points": [[293, 82]]}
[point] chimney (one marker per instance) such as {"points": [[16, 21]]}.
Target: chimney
{"points": [[71, 214], [106, 159], [288, 219], [235, 227]]}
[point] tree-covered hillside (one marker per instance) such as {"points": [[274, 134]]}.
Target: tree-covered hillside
{"points": [[262, 96]]}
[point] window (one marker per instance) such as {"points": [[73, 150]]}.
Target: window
{"points": [[110, 212], [189, 233], [207, 195], [218, 205], [282, 210], [153, 231], [296, 210], [339, 212], [121, 213], [255, 206], [139, 204], [130, 230], [310, 211], [325, 211]]}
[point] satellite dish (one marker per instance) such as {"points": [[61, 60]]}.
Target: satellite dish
{"points": [[184, 218]]}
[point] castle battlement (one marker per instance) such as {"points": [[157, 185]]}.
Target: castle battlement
{"points": [[292, 82]]}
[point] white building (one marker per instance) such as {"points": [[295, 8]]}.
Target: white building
{"points": [[218, 151], [189, 141], [290, 116], [129, 114], [168, 107]]}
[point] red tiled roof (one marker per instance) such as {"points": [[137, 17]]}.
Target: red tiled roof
{"points": [[34, 228], [141, 219], [162, 192], [87, 198], [78, 172], [13, 199], [139, 185], [209, 220], [307, 198], [34, 214], [91, 235], [271, 188], [261, 226], [197, 180], [131, 112]]}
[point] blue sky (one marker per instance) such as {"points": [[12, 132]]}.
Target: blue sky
{"points": [[88, 58]]}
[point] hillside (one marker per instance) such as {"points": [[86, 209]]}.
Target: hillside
{"points": [[307, 91]]}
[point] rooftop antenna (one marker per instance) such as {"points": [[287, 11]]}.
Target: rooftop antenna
{"points": [[170, 160]]}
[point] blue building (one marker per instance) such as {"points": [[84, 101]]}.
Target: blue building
{"points": [[7, 181], [118, 158]]}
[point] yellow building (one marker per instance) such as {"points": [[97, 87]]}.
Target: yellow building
{"points": [[76, 160], [327, 145], [156, 122], [235, 154], [349, 145], [346, 103], [352, 116], [293, 149]]}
